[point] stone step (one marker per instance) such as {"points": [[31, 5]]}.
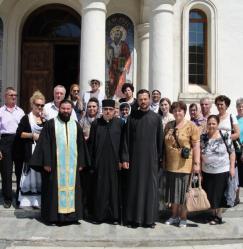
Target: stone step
{"points": [[217, 246]]}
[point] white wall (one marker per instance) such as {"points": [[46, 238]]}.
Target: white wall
{"points": [[230, 48]]}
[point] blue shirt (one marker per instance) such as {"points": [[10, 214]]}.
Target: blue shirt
{"points": [[240, 121]]}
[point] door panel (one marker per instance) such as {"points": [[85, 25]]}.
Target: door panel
{"points": [[37, 71]]}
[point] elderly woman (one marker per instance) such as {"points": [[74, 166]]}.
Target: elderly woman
{"points": [[218, 161], [75, 98], [164, 111], [91, 114], [127, 90], [239, 107], [125, 110], [94, 92], [28, 130], [197, 118], [228, 123], [182, 157]]}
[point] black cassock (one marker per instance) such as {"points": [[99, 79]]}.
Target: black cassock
{"points": [[104, 148], [142, 148], [45, 155]]}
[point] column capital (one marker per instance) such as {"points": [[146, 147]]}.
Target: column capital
{"points": [[160, 2], [94, 5], [143, 30], [163, 6]]}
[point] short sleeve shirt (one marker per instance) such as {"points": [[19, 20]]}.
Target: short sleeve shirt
{"points": [[225, 123], [186, 136], [214, 153], [240, 122]]}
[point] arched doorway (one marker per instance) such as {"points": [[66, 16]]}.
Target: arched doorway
{"points": [[50, 51]]}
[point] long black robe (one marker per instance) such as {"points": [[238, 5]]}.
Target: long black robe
{"points": [[104, 148], [142, 148], [45, 155]]}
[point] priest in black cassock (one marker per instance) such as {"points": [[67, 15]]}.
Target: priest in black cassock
{"points": [[141, 156], [60, 156], [104, 148]]}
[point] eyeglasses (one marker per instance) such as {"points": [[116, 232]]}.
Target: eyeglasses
{"points": [[12, 95], [95, 83], [39, 105], [76, 91], [108, 108]]}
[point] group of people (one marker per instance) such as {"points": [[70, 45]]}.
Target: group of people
{"points": [[99, 159]]}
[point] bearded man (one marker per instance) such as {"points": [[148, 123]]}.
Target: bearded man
{"points": [[60, 156], [141, 157], [104, 148]]}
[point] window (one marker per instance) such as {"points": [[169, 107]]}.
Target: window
{"points": [[197, 47]]}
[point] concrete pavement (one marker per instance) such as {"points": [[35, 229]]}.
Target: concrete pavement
{"points": [[22, 229]]}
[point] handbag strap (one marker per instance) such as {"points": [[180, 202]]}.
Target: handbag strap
{"points": [[231, 123], [175, 137], [199, 180], [227, 148]]}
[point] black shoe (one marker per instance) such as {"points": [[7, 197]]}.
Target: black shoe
{"points": [[216, 221], [150, 225], [17, 204], [237, 201], [7, 204], [96, 222], [133, 225]]}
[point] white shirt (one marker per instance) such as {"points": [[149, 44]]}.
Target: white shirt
{"points": [[87, 95], [154, 107], [9, 120], [51, 111], [225, 123]]}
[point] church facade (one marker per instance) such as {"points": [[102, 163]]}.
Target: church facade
{"points": [[187, 49]]}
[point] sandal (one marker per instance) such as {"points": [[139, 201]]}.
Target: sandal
{"points": [[209, 219], [216, 221]]}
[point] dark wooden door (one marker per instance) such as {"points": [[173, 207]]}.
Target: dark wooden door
{"points": [[37, 71]]}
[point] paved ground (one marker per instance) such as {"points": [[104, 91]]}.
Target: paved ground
{"points": [[22, 229]]}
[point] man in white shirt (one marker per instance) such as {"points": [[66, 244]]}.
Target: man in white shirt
{"points": [[10, 116], [206, 106], [51, 109]]}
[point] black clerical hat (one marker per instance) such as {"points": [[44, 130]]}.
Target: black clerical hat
{"points": [[108, 103]]}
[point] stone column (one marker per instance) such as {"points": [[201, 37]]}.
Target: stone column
{"points": [[161, 47], [92, 52], [143, 74]]}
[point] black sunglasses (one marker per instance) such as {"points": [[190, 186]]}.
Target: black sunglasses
{"points": [[39, 105]]}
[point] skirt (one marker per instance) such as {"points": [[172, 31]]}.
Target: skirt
{"points": [[215, 186], [175, 187]]}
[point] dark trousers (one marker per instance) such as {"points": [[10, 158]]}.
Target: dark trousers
{"points": [[7, 142]]}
